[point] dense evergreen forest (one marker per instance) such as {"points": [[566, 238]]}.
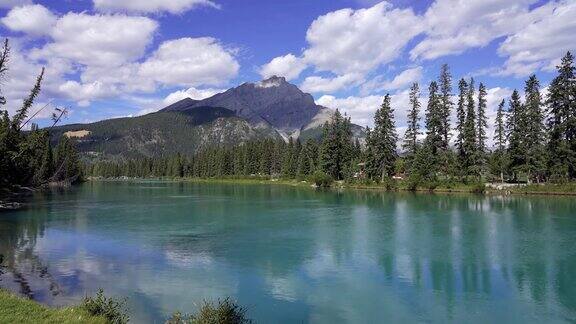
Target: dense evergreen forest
{"points": [[534, 141], [27, 158]]}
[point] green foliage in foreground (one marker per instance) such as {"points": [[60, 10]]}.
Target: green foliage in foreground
{"points": [[106, 310], [28, 158], [112, 309], [225, 311], [14, 309]]}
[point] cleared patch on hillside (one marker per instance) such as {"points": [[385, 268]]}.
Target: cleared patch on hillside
{"points": [[77, 134]]}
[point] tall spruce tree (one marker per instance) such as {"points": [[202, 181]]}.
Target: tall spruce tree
{"points": [[516, 134], [383, 138], [445, 82], [561, 123], [500, 141], [481, 126], [469, 144], [434, 134], [410, 144], [336, 146], [461, 118], [535, 131]]}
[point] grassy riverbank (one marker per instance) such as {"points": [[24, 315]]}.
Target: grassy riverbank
{"points": [[14, 309], [567, 189]]}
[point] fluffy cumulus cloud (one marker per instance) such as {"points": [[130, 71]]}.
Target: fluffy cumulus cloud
{"points": [[30, 19], [401, 81], [349, 43], [288, 66], [453, 26], [361, 109], [192, 93], [356, 41], [83, 93], [96, 56], [151, 6], [541, 44], [191, 62], [316, 84], [99, 40]]}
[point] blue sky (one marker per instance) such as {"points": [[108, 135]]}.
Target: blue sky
{"points": [[111, 58]]}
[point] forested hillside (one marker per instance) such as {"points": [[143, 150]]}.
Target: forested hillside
{"points": [[162, 133]]}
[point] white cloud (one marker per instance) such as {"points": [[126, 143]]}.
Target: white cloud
{"points": [[13, 3], [362, 109], [83, 93], [30, 19], [317, 84], [98, 40], [192, 93], [357, 41], [22, 73], [152, 6], [400, 81], [453, 26], [191, 62], [288, 66], [541, 44]]}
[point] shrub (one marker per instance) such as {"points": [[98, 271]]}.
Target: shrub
{"points": [[225, 311], [112, 309], [321, 179], [390, 184], [478, 187], [413, 182]]}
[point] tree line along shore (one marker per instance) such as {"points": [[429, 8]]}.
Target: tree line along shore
{"points": [[28, 158], [534, 146]]}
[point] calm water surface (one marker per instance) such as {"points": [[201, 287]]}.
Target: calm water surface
{"points": [[294, 255]]}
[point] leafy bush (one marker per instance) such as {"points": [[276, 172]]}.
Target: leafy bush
{"points": [[112, 309], [413, 182], [478, 187], [390, 184], [432, 184], [224, 311], [321, 179]]}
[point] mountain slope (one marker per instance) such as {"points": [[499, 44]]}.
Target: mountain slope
{"points": [[273, 101], [163, 133], [272, 108]]}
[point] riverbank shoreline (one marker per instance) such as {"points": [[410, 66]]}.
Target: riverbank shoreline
{"points": [[16, 309], [460, 188]]}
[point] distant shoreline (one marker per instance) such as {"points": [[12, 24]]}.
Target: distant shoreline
{"points": [[460, 188]]}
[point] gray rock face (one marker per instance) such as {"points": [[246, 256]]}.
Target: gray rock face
{"points": [[274, 101]]}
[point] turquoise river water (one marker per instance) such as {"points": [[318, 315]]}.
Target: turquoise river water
{"points": [[297, 255]]}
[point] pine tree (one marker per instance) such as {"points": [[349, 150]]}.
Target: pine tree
{"points": [[461, 117], [470, 147], [410, 144], [515, 128], [561, 102], [434, 135], [481, 125], [500, 141], [383, 138], [445, 81], [336, 146], [535, 131]]}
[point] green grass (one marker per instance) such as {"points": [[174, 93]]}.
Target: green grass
{"points": [[547, 188], [14, 309], [400, 185]]}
